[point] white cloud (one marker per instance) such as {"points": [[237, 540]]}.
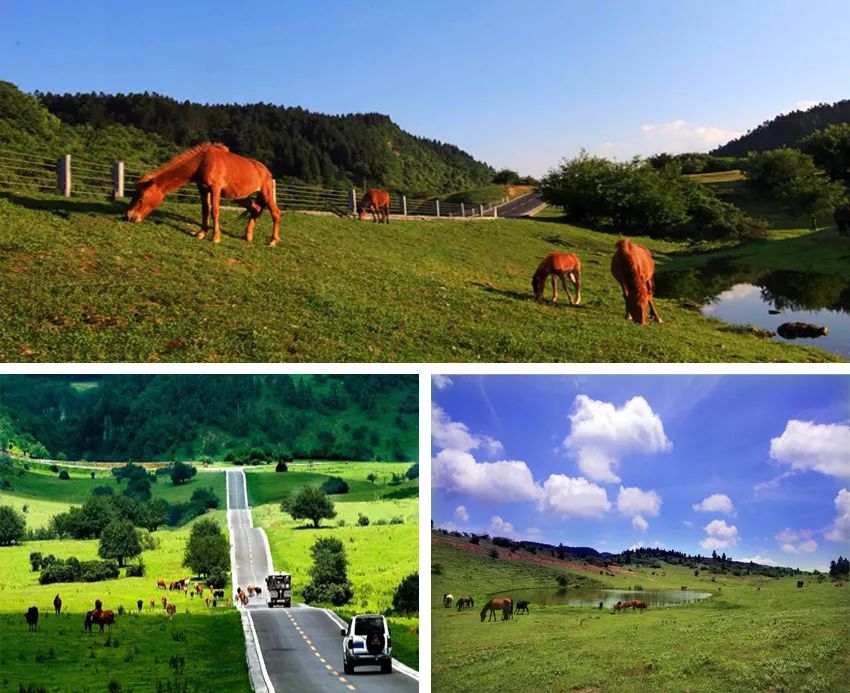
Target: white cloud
{"points": [[738, 292], [761, 560], [806, 445], [796, 541], [841, 525], [602, 434], [456, 471], [573, 497], [461, 515], [633, 501], [455, 435], [639, 545], [716, 503], [441, 382], [720, 535], [498, 527], [682, 136], [639, 523], [687, 523]]}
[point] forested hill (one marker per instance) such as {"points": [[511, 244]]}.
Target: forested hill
{"points": [[787, 130], [353, 149], [188, 417]]}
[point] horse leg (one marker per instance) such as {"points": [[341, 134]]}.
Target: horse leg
{"points": [[652, 311], [205, 212], [270, 202], [215, 195], [554, 289], [576, 277], [255, 209], [566, 288]]}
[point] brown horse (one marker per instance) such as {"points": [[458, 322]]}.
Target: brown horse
{"points": [[57, 604], [498, 603], [633, 267], [560, 265], [377, 201], [218, 173]]}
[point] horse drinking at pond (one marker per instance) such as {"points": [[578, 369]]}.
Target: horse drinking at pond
{"points": [[561, 265], [218, 173], [633, 267], [377, 201], [505, 605]]}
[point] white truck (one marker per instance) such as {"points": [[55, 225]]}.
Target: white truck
{"points": [[279, 589]]}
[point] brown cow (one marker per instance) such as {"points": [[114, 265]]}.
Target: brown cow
{"points": [[377, 201], [633, 267], [161, 583], [170, 610]]}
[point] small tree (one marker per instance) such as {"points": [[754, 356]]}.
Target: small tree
{"points": [[12, 526], [181, 473], [562, 580], [329, 573], [371, 476], [413, 471], [120, 541], [63, 474], [362, 520], [207, 550], [309, 504], [406, 596], [281, 467]]}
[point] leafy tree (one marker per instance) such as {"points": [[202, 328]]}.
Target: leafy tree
{"points": [[562, 580], [830, 150], [281, 466], [362, 520], [334, 485], [181, 473], [310, 503], [207, 550], [413, 471], [328, 573], [506, 177], [406, 595], [371, 476], [12, 526], [120, 541]]}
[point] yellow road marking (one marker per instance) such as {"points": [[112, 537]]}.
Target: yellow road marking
{"points": [[328, 666], [350, 687]]}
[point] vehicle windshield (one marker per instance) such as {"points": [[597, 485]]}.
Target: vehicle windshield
{"points": [[367, 626]]}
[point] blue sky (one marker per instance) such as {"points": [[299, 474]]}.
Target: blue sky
{"points": [[516, 84], [757, 467]]}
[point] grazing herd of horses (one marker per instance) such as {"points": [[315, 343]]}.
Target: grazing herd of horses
{"points": [[508, 607]]}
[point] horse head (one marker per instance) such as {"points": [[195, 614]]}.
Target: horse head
{"points": [[636, 306], [148, 197], [538, 283]]}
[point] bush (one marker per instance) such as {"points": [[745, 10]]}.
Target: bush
{"points": [[397, 521], [64, 475], [436, 569], [406, 596], [562, 580], [35, 560], [328, 573], [180, 473], [205, 497], [334, 485], [473, 539], [54, 468], [333, 593], [281, 467], [413, 472], [362, 520], [494, 553], [135, 570], [12, 526], [74, 570]]}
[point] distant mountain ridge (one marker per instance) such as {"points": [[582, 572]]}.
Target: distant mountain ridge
{"points": [[787, 130]]}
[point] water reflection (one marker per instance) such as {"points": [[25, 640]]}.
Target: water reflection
{"points": [[766, 299], [591, 597]]}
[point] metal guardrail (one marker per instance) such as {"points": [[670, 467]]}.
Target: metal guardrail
{"points": [[79, 176]]}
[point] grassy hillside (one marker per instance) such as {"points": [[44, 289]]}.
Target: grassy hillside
{"points": [[145, 652], [752, 634], [84, 286], [379, 555]]}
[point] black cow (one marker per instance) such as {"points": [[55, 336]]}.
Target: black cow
{"points": [[32, 618], [799, 584], [218, 594]]}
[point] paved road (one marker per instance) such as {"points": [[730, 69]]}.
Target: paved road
{"points": [[522, 206], [301, 647]]}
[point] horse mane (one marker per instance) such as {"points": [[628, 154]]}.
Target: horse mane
{"points": [[632, 269], [181, 158]]}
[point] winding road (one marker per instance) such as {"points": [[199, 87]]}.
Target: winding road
{"points": [[295, 649], [522, 206]]}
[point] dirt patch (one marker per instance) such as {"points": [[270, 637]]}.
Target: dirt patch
{"points": [[103, 320], [640, 670]]}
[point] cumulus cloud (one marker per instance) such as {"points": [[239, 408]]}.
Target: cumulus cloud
{"points": [[639, 523], [805, 445], [456, 471], [498, 526], [633, 501], [716, 503], [441, 382], [678, 136], [840, 530], [640, 545], [461, 515], [796, 541], [456, 435], [601, 434], [720, 535], [761, 560], [738, 292], [573, 497]]}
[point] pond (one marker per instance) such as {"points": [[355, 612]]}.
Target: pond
{"points": [[767, 299], [544, 596]]}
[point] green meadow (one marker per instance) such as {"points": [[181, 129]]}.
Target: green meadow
{"points": [[752, 634], [82, 285], [201, 649], [379, 555]]}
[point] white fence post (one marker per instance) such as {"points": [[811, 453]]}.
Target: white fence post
{"points": [[480, 210], [63, 175], [495, 211], [117, 180], [438, 207], [462, 210], [404, 205], [354, 200]]}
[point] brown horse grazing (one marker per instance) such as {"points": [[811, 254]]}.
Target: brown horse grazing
{"points": [[377, 201], [495, 604], [842, 220], [560, 265], [218, 173], [57, 604], [465, 603], [633, 266]]}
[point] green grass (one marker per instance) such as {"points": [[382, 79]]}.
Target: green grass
{"points": [[753, 634], [61, 657], [81, 285], [379, 556]]}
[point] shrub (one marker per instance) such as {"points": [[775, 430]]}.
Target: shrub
{"points": [[381, 521], [406, 596], [35, 560], [281, 467], [332, 593], [205, 497], [362, 520], [180, 473], [397, 521], [473, 539], [334, 485], [413, 471], [12, 525], [54, 468], [436, 569], [562, 580], [136, 570], [64, 475]]}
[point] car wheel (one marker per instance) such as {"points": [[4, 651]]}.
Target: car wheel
{"points": [[386, 667], [348, 668]]}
